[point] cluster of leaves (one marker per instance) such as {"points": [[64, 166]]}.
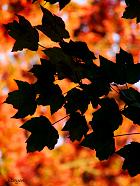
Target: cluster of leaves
{"points": [[74, 61]]}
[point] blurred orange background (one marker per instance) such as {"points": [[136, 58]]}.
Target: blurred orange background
{"points": [[98, 23]]}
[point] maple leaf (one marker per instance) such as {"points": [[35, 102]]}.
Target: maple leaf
{"points": [[132, 99], [130, 96], [52, 26], [103, 144], [78, 49], [128, 71], [49, 94], [44, 72], [121, 72], [25, 35], [95, 90], [108, 117], [132, 10], [76, 99], [77, 126], [131, 154], [132, 113], [65, 65], [23, 99], [42, 134]]}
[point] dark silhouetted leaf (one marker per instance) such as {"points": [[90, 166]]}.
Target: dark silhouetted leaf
{"points": [[44, 72], [103, 144], [76, 99], [62, 3], [132, 10], [131, 153], [25, 35], [53, 26], [23, 99], [128, 71], [65, 65], [42, 134], [132, 113], [121, 72], [78, 49], [77, 126], [132, 99], [49, 94], [124, 58], [130, 96], [108, 69], [108, 117], [56, 55], [96, 90]]}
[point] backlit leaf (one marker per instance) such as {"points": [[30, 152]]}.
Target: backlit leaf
{"points": [[131, 155], [108, 117], [132, 10], [103, 144], [42, 134], [52, 26], [23, 99], [77, 126], [25, 35], [76, 99], [78, 49]]}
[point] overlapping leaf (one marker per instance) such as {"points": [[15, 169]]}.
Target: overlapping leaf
{"points": [[105, 121], [131, 154], [130, 71], [78, 49], [52, 26], [132, 10], [44, 72], [65, 65], [121, 72], [42, 134], [103, 144], [77, 126], [49, 94], [25, 35], [76, 99], [132, 99], [108, 118], [23, 99], [95, 90]]}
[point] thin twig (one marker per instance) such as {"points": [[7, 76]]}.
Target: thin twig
{"points": [[127, 134], [60, 119], [42, 46], [114, 89]]}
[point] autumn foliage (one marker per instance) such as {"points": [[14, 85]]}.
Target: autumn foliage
{"points": [[81, 90]]}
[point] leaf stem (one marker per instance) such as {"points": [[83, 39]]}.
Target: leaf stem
{"points": [[60, 119], [127, 134]]}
